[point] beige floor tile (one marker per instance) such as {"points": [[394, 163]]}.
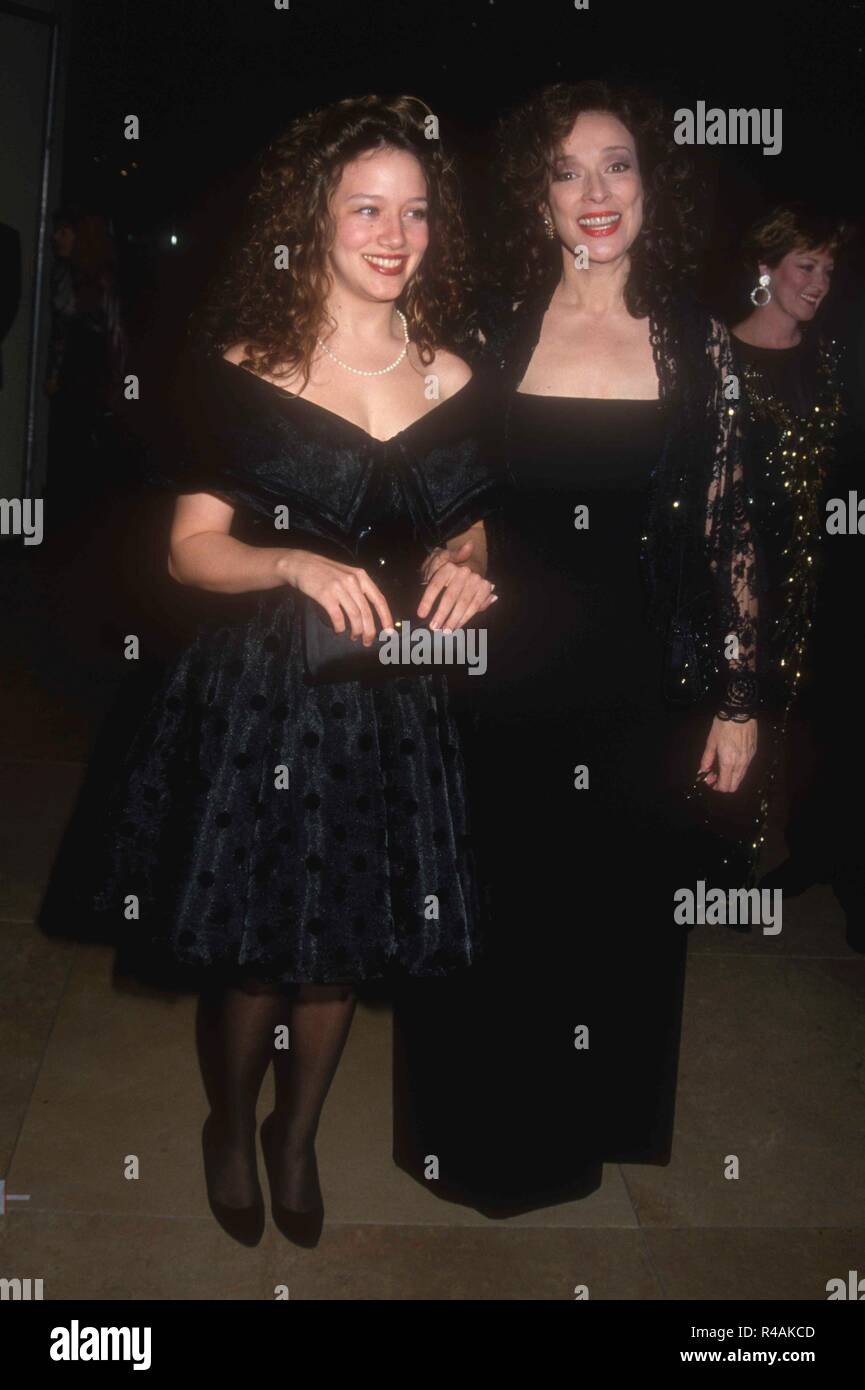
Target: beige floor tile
{"points": [[812, 925], [422, 1262], [120, 1078], [33, 973], [771, 1073], [96, 1256], [756, 1264], [124, 1257]]}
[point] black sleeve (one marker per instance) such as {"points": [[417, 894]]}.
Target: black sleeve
{"points": [[730, 542]]}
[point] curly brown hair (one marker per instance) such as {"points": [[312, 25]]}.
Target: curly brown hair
{"points": [[279, 316], [528, 138]]}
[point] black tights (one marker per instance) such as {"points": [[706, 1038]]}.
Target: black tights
{"points": [[236, 1035]]}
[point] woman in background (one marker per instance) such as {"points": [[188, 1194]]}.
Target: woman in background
{"points": [[791, 390]]}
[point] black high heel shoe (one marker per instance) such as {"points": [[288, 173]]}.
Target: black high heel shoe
{"points": [[243, 1224], [301, 1227]]}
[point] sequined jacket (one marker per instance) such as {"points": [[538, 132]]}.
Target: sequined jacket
{"points": [[788, 457]]}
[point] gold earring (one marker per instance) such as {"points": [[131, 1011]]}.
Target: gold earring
{"points": [[549, 229]]}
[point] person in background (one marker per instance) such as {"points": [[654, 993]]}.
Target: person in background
{"points": [[87, 350], [790, 374]]}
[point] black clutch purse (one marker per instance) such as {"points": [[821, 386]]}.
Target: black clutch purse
{"points": [[335, 656], [396, 565]]}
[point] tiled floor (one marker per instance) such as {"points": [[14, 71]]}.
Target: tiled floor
{"points": [[771, 1072]]}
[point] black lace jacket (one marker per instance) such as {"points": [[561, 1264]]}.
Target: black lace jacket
{"points": [[698, 555]]}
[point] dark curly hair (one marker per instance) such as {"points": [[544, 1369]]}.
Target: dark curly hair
{"points": [[279, 314], [665, 250]]}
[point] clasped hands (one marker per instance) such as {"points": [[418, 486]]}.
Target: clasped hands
{"points": [[454, 591]]}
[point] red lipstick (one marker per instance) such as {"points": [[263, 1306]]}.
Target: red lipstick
{"points": [[598, 231]]}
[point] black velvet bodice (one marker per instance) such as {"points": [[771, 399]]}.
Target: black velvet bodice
{"points": [[260, 447]]}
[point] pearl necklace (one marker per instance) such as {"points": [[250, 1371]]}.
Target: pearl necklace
{"points": [[382, 370]]}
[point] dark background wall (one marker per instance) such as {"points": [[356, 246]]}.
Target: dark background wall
{"points": [[26, 112], [211, 82]]}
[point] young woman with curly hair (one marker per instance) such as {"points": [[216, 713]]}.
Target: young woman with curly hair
{"points": [[292, 813], [622, 454]]}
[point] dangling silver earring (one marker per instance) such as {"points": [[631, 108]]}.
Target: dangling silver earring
{"points": [[762, 287], [549, 229]]}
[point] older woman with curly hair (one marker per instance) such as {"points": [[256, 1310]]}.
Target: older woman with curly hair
{"points": [[291, 819], [624, 556]]}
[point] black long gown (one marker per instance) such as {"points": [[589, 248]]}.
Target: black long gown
{"points": [[560, 1050]]}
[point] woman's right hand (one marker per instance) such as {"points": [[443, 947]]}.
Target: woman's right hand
{"points": [[343, 591], [729, 752]]}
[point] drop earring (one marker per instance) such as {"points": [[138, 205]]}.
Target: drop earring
{"points": [[549, 229], [762, 287]]}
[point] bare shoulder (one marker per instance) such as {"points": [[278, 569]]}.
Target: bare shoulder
{"points": [[452, 372], [240, 351]]}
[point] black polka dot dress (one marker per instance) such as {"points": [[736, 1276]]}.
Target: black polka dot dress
{"points": [[270, 827]]}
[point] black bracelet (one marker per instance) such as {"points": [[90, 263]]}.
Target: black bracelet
{"points": [[741, 697]]}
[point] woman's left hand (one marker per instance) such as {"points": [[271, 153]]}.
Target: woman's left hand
{"points": [[729, 751], [453, 589]]}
